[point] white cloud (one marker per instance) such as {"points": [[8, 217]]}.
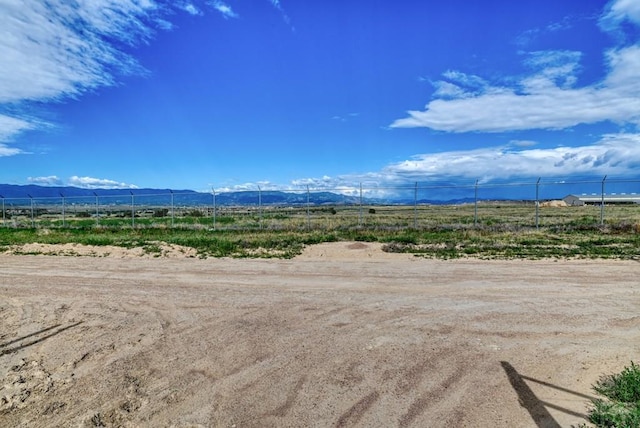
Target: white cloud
{"points": [[191, 9], [348, 185], [51, 180], [617, 12], [459, 85], [448, 90], [56, 49], [544, 100], [472, 82], [547, 98], [9, 151], [522, 143], [615, 154], [98, 183], [322, 182], [224, 9], [10, 126]]}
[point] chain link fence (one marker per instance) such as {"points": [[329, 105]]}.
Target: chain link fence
{"points": [[534, 204]]}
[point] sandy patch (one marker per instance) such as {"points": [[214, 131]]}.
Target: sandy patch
{"points": [[350, 251], [154, 250]]}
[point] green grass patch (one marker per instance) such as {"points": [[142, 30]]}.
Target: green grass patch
{"points": [[619, 406]]}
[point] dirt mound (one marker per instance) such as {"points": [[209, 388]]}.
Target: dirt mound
{"points": [[554, 204], [152, 250]]}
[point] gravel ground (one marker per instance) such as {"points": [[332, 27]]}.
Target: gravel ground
{"points": [[344, 335]]}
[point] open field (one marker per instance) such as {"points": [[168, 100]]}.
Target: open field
{"points": [[485, 214], [491, 230], [341, 335]]}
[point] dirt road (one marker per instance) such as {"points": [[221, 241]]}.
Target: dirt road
{"points": [[342, 336]]}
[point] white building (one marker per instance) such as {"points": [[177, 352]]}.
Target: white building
{"points": [[596, 199]]}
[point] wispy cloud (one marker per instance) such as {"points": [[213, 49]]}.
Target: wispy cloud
{"points": [[10, 126], [345, 118], [98, 183], [285, 17], [56, 49], [559, 67], [224, 9], [529, 36]]}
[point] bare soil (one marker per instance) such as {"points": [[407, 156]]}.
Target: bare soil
{"points": [[344, 335]]}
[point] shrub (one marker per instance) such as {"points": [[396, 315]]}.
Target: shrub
{"points": [[621, 404], [162, 212]]}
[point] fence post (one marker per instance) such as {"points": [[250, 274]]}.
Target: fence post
{"points": [[538, 204], [172, 209], [475, 205], [415, 206], [33, 222], [97, 215], [3, 214], [213, 195], [308, 211], [133, 213], [360, 216], [602, 202], [64, 220], [260, 205]]}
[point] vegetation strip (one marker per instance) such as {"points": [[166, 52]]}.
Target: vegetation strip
{"points": [[443, 242]]}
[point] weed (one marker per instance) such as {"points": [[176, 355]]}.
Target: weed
{"points": [[624, 386], [152, 249], [96, 421], [620, 407]]}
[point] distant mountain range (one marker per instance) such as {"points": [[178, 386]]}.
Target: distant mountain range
{"points": [[35, 191], [54, 194], [45, 195]]}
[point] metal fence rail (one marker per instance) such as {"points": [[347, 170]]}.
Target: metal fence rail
{"points": [[517, 205]]}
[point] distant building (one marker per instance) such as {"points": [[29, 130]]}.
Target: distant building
{"points": [[573, 200], [596, 199]]}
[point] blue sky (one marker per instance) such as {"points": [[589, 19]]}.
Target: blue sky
{"points": [[282, 94]]}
